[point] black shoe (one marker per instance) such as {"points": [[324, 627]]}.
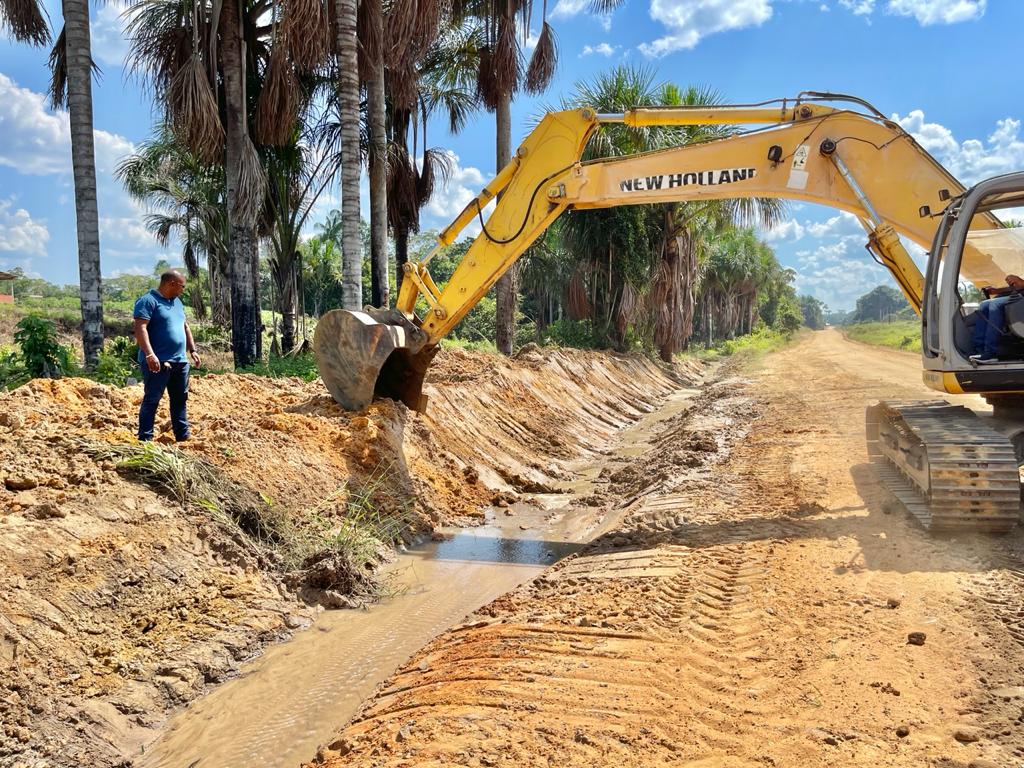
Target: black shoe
{"points": [[983, 359]]}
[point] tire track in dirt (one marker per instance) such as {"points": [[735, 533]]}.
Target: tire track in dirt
{"points": [[752, 609]]}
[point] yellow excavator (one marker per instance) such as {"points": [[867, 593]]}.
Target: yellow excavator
{"points": [[951, 468]]}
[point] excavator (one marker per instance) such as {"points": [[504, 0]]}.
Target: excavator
{"points": [[953, 468]]}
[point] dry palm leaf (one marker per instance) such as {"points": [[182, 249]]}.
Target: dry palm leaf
{"points": [[308, 31], [59, 72], [402, 85], [401, 188], [436, 164], [370, 31], [193, 111], [58, 63], [278, 105], [25, 20], [252, 185], [486, 86], [506, 60], [399, 32], [543, 62], [577, 302]]}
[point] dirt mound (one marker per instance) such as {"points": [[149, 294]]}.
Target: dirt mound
{"points": [[118, 601]]}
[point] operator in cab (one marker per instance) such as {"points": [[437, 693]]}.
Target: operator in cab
{"points": [[164, 338], [988, 328]]}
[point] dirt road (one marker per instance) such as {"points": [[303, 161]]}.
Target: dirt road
{"points": [[752, 610]]}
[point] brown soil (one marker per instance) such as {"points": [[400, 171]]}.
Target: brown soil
{"points": [[117, 604], [758, 607]]}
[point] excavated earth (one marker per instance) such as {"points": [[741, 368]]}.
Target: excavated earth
{"points": [[119, 604], [764, 602]]}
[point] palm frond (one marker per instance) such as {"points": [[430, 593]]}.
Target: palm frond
{"points": [[543, 62], [277, 107], [193, 111], [370, 31], [308, 33], [26, 21], [507, 59]]}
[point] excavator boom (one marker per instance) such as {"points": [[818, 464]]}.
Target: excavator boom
{"points": [[856, 161]]}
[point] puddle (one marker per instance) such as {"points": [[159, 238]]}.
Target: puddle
{"points": [[298, 694]]}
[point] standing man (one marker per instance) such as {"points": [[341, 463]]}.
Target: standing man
{"points": [[164, 338]]}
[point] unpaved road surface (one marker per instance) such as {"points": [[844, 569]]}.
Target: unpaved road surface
{"points": [[753, 609]]}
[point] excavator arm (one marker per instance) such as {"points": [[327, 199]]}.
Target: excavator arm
{"points": [[807, 150]]}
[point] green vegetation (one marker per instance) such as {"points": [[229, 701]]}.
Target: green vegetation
{"points": [[41, 354], [751, 346], [899, 334], [332, 546]]}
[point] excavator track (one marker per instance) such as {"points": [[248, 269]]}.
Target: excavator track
{"points": [[949, 469]]}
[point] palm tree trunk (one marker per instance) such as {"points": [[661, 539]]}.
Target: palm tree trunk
{"points": [[348, 103], [379, 289], [242, 253], [289, 309], [508, 285], [220, 291], [83, 159]]}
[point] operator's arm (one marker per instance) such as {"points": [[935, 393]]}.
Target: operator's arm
{"points": [[142, 339], [190, 345]]}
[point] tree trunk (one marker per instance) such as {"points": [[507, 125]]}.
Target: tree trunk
{"points": [[380, 291], [245, 316], [401, 252], [508, 286], [288, 308], [220, 291], [83, 161], [348, 102]]}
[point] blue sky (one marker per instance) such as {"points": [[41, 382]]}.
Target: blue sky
{"points": [[946, 69]]}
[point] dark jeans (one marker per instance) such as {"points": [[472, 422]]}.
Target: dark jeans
{"points": [[173, 377], [988, 328]]}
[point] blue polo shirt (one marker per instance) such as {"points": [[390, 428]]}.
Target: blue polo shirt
{"points": [[166, 326]]}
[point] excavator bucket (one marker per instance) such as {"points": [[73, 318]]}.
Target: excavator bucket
{"points": [[378, 352]]}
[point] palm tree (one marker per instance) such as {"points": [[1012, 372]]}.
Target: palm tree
{"points": [[444, 84], [186, 199], [615, 243], [296, 183], [500, 76], [72, 66], [347, 77], [226, 72]]}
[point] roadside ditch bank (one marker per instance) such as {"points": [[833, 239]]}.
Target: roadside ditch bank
{"points": [[122, 601]]}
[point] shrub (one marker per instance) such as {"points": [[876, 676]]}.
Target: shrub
{"points": [[40, 353], [117, 362]]}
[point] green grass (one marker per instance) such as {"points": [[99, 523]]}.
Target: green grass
{"points": [[486, 347], [753, 345], [901, 334]]}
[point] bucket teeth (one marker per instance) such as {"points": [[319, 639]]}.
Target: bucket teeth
{"points": [[374, 352]]}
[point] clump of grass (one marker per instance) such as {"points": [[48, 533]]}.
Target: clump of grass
{"points": [[328, 554], [196, 483]]}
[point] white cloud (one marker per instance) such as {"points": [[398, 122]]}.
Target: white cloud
{"points": [[568, 8], [788, 231], [859, 7], [601, 49], [19, 233], [972, 159], [463, 185], [109, 44], [37, 142], [688, 21], [928, 12]]}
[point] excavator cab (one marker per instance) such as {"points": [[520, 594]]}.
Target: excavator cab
{"points": [[974, 251]]}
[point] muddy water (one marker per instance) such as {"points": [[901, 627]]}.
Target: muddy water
{"points": [[295, 696]]}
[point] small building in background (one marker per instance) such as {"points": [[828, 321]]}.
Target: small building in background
{"points": [[7, 287]]}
